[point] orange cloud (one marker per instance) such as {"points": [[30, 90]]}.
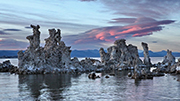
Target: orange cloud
{"points": [[140, 27]]}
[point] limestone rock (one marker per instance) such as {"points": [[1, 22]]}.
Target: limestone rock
{"points": [[55, 55], [147, 60], [178, 70], [104, 56], [173, 68], [168, 64], [92, 75], [169, 58], [76, 65], [87, 64], [6, 66], [120, 55], [35, 38]]}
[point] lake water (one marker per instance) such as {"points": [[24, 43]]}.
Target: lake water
{"points": [[77, 87]]}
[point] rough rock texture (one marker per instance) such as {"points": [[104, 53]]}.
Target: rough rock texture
{"points": [[120, 55], [49, 57], [6, 66], [89, 64], [53, 57], [104, 56], [175, 68], [147, 60], [168, 64], [169, 58]]}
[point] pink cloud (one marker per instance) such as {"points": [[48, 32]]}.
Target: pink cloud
{"points": [[141, 27]]}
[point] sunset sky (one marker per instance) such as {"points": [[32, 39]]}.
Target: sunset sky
{"points": [[91, 24]]}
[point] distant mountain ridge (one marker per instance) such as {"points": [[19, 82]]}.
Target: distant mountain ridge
{"points": [[159, 54], [86, 53], [95, 53], [8, 53]]}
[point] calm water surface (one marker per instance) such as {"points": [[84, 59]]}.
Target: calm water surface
{"points": [[76, 87]]}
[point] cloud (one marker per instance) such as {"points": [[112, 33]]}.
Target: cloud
{"points": [[27, 27], [123, 20], [11, 44], [154, 41], [3, 33], [141, 27], [162, 9], [12, 30]]}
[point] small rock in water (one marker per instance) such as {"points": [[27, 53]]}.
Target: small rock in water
{"points": [[92, 76], [98, 76], [129, 74], [106, 76]]}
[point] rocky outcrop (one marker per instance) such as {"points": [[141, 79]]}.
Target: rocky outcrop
{"points": [[175, 68], [143, 71], [52, 58], [168, 65], [169, 58], [6, 66], [92, 75], [104, 56], [36, 57], [147, 60], [120, 56]]}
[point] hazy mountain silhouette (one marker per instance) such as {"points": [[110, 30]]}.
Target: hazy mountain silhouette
{"points": [[87, 53]]}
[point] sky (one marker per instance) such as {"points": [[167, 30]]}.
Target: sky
{"points": [[92, 24]]}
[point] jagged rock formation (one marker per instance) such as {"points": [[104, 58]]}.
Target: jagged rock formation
{"points": [[177, 67], [168, 65], [53, 57], [6, 66], [169, 58], [120, 55], [143, 71], [147, 60], [36, 57]]}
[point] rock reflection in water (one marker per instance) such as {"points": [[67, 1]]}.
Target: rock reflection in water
{"points": [[80, 87], [43, 87]]}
